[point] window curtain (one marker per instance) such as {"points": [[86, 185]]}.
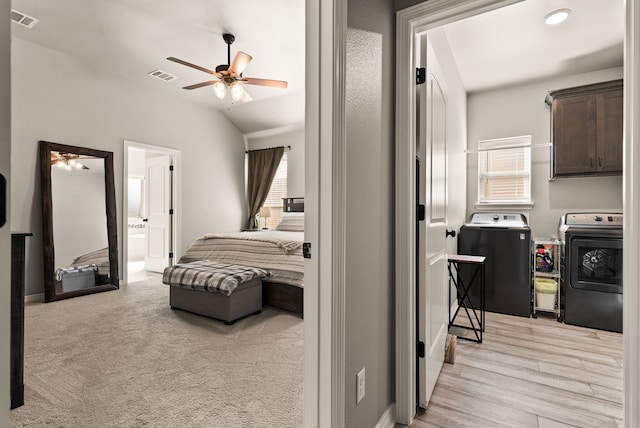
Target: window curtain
{"points": [[262, 166]]}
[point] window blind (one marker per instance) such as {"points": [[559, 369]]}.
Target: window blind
{"points": [[504, 171]]}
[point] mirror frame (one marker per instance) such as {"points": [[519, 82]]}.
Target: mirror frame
{"points": [[45, 149]]}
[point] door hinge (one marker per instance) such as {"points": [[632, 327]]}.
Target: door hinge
{"points": [[170, 167], [421, 75], [170, 211], [170, 255], [306, 250], [421, 212], [421, 349]]}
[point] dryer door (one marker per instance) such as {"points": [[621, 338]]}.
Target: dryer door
{"points": [[596, 264]]}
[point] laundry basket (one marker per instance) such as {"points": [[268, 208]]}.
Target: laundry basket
{"points": [[546, 291]]}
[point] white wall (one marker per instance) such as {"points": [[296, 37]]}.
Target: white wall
{"points": [[60, 99], [369, 291], [521, 110], [5, 234], [295, 156]]}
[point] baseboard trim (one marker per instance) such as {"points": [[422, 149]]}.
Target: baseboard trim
{"points": [[388, 418], [34, 298]]}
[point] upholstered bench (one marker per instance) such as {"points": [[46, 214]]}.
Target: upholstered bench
{"points": [[222, 291]]}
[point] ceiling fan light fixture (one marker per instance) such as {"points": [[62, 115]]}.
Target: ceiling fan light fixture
{"points": [[220, 89], [557, 16], [237, 91]]}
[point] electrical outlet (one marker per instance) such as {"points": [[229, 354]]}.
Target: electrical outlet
{"points": [[360, 386]]}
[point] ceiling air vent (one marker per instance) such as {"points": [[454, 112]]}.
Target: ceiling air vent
{"points": [[22, 19], [162, 75]]}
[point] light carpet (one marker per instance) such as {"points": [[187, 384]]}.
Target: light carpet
{"points": [[125, 359]]}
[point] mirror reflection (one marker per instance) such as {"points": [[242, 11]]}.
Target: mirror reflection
{"points": [[79, 221]]}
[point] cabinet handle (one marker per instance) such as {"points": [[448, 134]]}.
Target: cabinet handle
{"points": [[600, 161], [591, 162]]}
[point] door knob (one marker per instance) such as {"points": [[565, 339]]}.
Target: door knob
{"points": [[451, 233]]}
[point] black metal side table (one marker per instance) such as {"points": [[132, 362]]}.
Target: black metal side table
{"points": [[474, 315]]}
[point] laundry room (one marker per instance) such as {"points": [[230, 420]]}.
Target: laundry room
{"points": [[536, 276], [503, 121]]}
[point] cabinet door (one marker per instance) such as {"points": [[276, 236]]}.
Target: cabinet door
{"points": [[574, 135], [610, 126]]}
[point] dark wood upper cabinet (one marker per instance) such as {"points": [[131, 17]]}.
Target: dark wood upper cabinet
{"points": [[586, 129]]}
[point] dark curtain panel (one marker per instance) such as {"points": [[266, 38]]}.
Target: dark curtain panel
{"points": [[262, 167]]}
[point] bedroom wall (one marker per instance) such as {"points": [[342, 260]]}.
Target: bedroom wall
{"points": [[369, 227], [5, 231], [521, 110], [57, 98], [295, 156]]}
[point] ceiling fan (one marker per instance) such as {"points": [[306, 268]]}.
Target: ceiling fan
{"points": [[230, 75], [67, 161]]}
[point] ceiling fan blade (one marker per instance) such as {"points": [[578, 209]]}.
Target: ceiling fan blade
{"points": [[239, 63], [197, 67], [265, 82], [200, 85]]}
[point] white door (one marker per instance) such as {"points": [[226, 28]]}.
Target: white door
{"points": [[158, 217], [432, 281]]}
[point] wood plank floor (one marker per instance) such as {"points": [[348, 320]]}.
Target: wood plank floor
{"points": [[530, 373]]}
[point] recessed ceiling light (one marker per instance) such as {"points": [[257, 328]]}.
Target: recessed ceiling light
{"points": [[557, 16]]}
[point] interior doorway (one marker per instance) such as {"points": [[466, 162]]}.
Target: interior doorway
{"points": [[410, 22], [150, 209]]}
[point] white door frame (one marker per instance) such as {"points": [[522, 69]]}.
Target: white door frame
{"points": [[325, 182], [631, 209], [176, 157], [439, 12]]}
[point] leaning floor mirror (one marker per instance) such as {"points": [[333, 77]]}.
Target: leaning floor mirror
{"points": [[79, 225]]}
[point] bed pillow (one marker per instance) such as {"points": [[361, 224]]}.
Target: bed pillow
{"points": [[293, 222]]}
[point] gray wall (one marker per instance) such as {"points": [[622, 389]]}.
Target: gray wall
{"points": [[521, 110], [369, 213], [59, 99], [295, 156], [5, 236]]}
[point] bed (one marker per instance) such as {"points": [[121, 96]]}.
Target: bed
{"points": [[99, 258], [277, 251]]}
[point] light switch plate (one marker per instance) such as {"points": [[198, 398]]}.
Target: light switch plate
{"points": [[360, 384]]}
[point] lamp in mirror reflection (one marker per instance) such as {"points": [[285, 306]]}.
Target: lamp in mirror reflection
{"points": [[68, 161]]}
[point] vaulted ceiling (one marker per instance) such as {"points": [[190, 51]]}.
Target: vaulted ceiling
{"points": [[130, 38]]}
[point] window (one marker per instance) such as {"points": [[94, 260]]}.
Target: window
{"points": [[277, 191], [504, 171]]}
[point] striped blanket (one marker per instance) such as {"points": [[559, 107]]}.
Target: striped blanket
{"points": [[210, 276], [278, 252], [100, 258]]}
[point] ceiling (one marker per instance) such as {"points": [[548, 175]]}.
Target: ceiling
{"points": [[513, 45], [130, 38]]}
